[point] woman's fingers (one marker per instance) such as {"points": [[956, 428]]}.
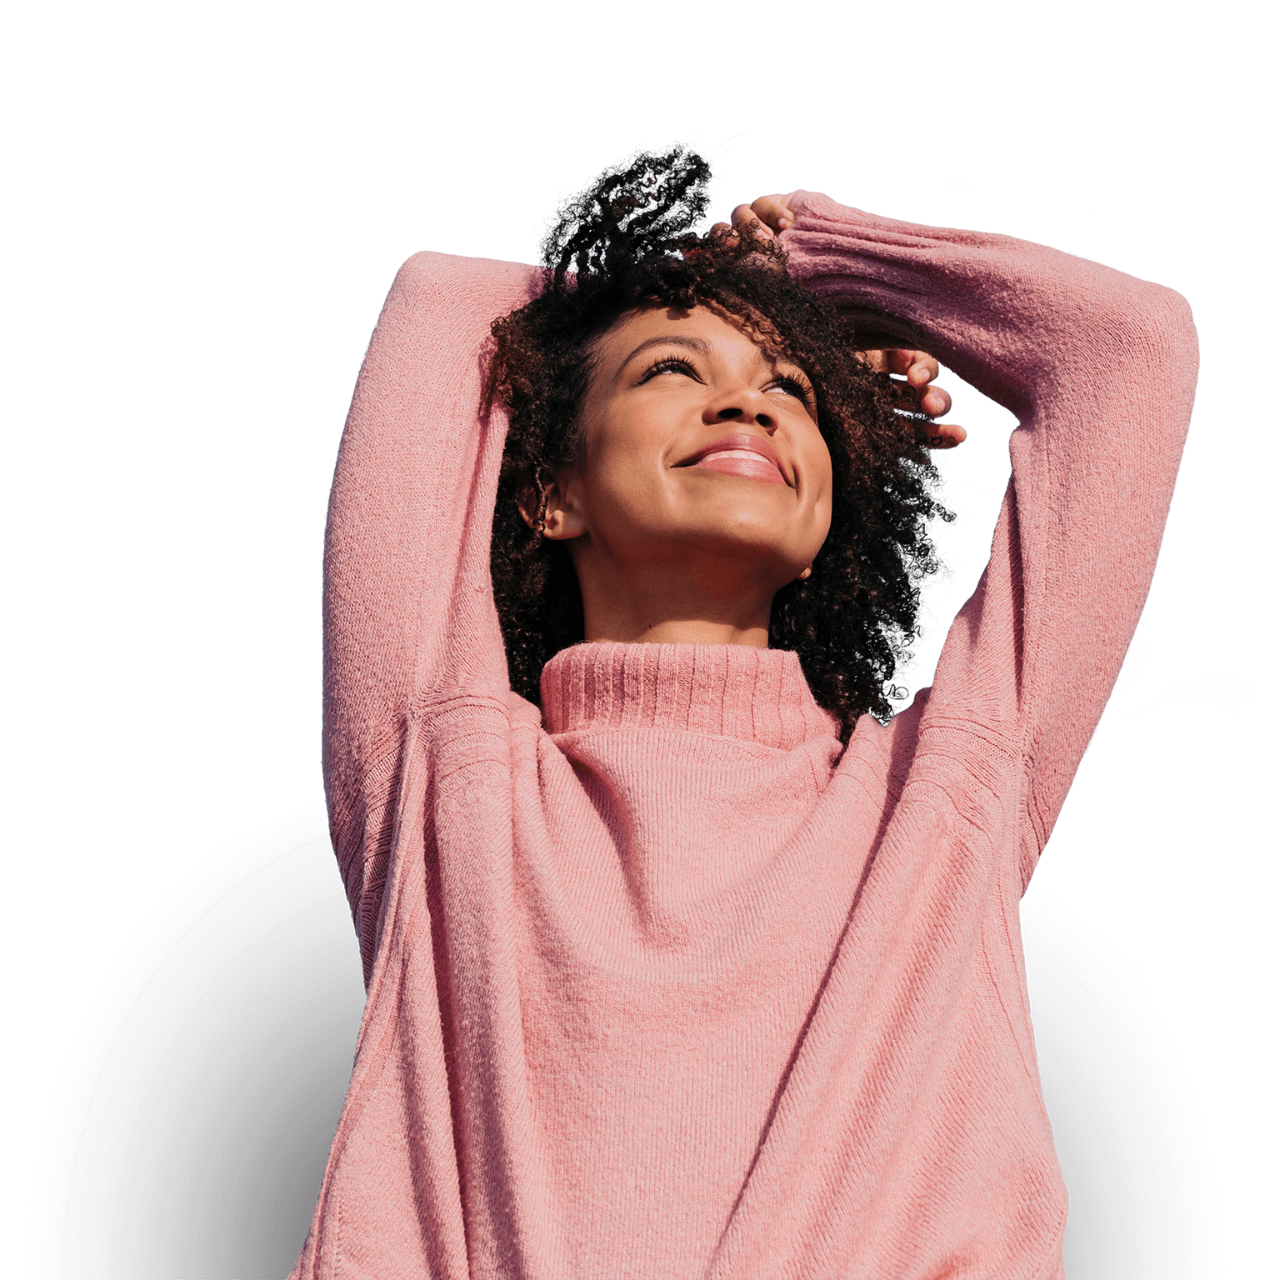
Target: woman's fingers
{"points": [[943, 435], [920, 368], [745, 222], [935, 402], [774, 212], [778, 210], [768, 214], [763, 217]]}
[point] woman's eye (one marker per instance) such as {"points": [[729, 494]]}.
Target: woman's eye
{"points": [[670, 365], [793, 387], [675, 364]]}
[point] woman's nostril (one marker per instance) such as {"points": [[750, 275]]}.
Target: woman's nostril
{"points": [[730, 413]]}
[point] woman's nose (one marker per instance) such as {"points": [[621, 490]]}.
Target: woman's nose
{"points": [[745, 405]]}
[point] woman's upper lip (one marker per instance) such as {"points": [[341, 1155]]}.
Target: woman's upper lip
{"points": [[738, 440]]}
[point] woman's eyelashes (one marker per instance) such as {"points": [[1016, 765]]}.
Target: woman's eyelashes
{"points": [[794, 387], [791, 386], [670, 364]]}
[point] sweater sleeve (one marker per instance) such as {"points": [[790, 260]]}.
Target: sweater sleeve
{"points": [[1100, 370], [408, 607]]}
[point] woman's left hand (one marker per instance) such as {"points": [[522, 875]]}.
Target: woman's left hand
{"points": [[920, 368]]}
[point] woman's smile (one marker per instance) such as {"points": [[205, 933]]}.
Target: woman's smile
{"points": [[746, 456]]}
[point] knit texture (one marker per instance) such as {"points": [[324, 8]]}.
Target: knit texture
{"points": [[662, 982]]}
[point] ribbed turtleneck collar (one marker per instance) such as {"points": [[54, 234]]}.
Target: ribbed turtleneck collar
{"points": [[730, 690]]}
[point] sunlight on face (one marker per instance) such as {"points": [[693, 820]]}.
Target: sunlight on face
{"points": [[702, 483], [696, 443]]}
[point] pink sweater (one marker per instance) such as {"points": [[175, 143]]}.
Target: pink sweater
{"points": [[662, 982]]}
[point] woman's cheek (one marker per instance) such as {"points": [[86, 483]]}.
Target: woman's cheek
{"points": [[625, 492]]}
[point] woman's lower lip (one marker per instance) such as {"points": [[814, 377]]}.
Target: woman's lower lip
{"points": [[750, 466]]}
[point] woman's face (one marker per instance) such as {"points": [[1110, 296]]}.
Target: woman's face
{"points": [[697, 449]]}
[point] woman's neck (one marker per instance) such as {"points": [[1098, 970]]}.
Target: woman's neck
{"points": [[673, 604]]}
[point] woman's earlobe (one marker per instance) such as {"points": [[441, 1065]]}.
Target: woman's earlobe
{"points": [[561, 523], [806, 572]]}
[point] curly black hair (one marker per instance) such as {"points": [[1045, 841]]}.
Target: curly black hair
{"points": [[627, 243]]}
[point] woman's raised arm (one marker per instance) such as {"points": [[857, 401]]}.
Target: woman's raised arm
{"points": [[408, 610], [1100, 369]]}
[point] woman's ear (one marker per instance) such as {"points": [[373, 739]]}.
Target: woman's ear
{"points": [[806, 572], [556, 513]]}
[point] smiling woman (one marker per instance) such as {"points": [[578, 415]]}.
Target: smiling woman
{"points": [[679, 962], [614, 520]]}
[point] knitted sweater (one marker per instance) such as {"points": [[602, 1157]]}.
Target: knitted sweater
{"points": [[663, 982]]}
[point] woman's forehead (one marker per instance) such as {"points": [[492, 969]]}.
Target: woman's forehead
{"points": [[705, 329]]}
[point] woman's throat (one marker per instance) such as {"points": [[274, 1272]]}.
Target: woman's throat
{"points": [[741, 462]]}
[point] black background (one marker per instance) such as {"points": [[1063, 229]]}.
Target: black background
{"points": [[304, 227]]}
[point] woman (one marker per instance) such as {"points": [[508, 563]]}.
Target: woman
{"points": [[696, 968]]}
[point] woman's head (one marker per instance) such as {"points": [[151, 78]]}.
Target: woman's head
{"points": [[700, 482], [690, 426]]}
